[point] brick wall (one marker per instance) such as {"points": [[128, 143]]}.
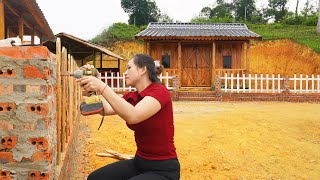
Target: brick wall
{"points": [[27, 113]]}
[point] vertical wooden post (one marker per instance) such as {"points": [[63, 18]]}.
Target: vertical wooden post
{"points": [[213, 71], [94, 59], [2, 23], [68, 96], [145, 47], [32, 35], [41, 39], [248, 56], [119, 66], [64, 92], [179, 64], [100, 60], [58, 58], [8, 32], [21, 29]]}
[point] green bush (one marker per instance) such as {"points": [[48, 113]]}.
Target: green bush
{"points": [[116, 32]]}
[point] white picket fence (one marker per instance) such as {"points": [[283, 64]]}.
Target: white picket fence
{"points": [[117, 82], [270, 84]]}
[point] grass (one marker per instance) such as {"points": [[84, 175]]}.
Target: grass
{"points": [[305, 35]]}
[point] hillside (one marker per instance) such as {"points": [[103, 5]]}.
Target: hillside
{"points": [[283, 56]]}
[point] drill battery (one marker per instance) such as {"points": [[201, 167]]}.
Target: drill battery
{"points": [[91, 105]]}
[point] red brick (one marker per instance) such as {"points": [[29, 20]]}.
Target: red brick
{"points": [[7, 107], [41, 143], [35, 72], [5, 125], [8, 142], [42, 156], [5, 175], [6, 157], [6, 89], [7, 73], [42, 109], [26, 52], [33, 88], [38, 175]]}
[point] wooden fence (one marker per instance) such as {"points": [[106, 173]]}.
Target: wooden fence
{"points": [[270, 84], [117, 82], [69, 96]]}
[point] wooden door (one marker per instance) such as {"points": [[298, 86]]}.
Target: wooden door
{"points": [[196, 65]]}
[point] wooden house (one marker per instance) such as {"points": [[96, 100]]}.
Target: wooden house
{"points": [[19, 18], [197, 52]]}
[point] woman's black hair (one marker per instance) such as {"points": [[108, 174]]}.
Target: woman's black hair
{"points": [[143, 60]]}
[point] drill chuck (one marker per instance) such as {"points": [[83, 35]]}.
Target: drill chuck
{"points": [[80, 73]]}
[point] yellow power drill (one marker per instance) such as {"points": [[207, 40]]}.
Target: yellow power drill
{"points": [[92, 104]]}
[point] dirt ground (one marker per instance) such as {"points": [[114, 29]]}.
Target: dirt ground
{"points": [[251, 140]]}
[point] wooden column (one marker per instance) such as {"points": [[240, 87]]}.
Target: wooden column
{"points": [[247, 56], [8, 32], [100, 61], [179, 64], [58, 58], [145, 47], [213, 71], [21, 29], [32, 35], [64, 59], [2, 24], [41, 39]]}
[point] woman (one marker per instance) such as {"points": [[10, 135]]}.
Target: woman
{"points": [[148, 112]]}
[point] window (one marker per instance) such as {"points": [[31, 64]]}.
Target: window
{"points": [[166, 61], [227, 62]]}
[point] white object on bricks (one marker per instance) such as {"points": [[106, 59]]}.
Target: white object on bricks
{"points": [[10, 42]]}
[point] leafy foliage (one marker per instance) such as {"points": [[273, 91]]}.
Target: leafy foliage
{"points": [[116, 32], [141, 12]]}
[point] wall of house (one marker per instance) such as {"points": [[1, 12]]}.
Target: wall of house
{"points": [[233, 49]]}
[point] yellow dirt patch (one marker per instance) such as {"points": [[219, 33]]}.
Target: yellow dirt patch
{"points": [[251, 140]]}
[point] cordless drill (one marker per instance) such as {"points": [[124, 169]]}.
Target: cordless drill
{"points": [[93, 103]]}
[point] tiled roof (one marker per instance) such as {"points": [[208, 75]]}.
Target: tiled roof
{"points": [[158, 30]]}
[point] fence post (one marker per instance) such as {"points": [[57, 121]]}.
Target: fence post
{"points": [[286, 84], [217, 85], [175, 88]]}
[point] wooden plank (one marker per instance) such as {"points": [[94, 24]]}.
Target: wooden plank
{"points": [[68, 99], [2, 23], [58, 60], [64, 103]]}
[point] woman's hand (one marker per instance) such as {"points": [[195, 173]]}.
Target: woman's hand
{"points": [[91, 83]]}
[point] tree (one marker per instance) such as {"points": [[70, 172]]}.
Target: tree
{"points": [[318, 25], [297, 8], [141, 12], [277, 9], [165, 18], [244, 9]]}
